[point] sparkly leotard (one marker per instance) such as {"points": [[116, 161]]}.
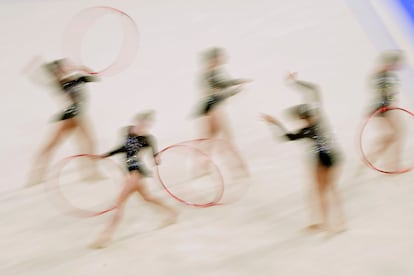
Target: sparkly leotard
{"points": [[322, 143], [73, 88], [386, 83], [132, 146], [218, 89]]}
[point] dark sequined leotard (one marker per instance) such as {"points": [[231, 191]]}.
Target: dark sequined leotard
{"points": [[386, 83], [73, 88], [217, 86], [323, 147], [133, 144]]}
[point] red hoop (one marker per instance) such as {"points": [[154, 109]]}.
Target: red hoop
{"points": [[54, 186], [77, 28], [364, 157], [242, 189], [220, 191]]}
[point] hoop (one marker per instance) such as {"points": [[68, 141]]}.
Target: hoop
{"points": [[220, 190], [75, 32], [364, 157], [54, 187], [237, 161]]}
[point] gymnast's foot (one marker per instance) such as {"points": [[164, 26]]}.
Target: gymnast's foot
{"points": [[316, 227], [101, 243]]}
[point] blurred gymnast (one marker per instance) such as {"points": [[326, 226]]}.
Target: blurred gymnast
{"points": [[326, 160], [218, 87], [137, 138], [70, 80], [385, 83]]}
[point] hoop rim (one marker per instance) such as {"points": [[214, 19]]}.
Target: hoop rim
{"points": [[68, 36], [233, 151], [54, 186], [362, 130], [187, 202]]}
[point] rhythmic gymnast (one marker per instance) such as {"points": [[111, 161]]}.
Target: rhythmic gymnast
{"points": [[137, 139], [326, 163], [385, 83], [218, 87], [71, 80]]}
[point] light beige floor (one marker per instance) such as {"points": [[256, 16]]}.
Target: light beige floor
{"points": [[258, 235]]}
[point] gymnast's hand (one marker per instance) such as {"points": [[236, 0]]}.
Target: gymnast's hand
{"points": [[247, 80], [244, 81], [157, 159], [270, 119], [291, 76]]}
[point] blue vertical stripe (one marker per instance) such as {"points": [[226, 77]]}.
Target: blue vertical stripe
{"points": [[408, 6]]}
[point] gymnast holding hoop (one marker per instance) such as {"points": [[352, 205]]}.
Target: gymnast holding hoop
{"points": [[137, 139], [326, 159], [70, 80], [385, 82]]}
